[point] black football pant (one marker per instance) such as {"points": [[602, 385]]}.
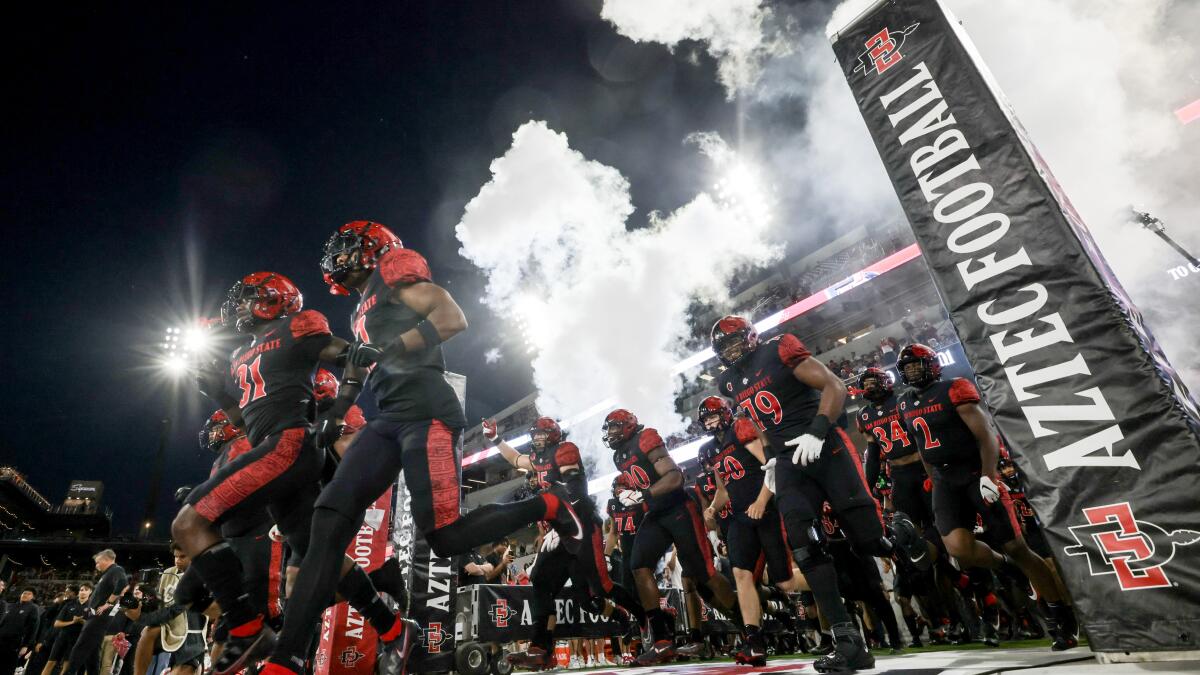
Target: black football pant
{"points": [[425, 453], [860, 580], [85, 655]]}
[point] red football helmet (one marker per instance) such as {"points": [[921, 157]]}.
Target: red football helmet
{"points": [[271, 296], [618, 426], [732, 332], [363, 243], [325, 385], [931, 370], [714, 405], [882, 387], [548, 429], [217, 431]]}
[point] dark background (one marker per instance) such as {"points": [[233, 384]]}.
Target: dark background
{"points": [[154, 156]]}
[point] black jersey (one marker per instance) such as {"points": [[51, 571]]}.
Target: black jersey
{"points": [[408, 386], [706, 485], [931, 418], [274, 373], [631, 458], [738, 468], [626, 519], [548, 463], [880, 423], [763, 384]]}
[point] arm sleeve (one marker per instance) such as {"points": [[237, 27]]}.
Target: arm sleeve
{"points": [[872, 466], [404, 266], [962, 391], [792, 351]]}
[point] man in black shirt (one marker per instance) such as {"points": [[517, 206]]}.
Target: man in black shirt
{"points": [[85, 655], [476, 569], [18, 629], [67, 624]]}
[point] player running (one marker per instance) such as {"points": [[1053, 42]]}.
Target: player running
{"points": [[556, 461], [273, 375], [798, 405], [736, 458], [958, 446], [408, 316], [671, 518]]}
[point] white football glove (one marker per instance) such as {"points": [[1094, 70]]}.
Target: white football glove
{"points": [[550, 541], [714, 540], [275, 535], [988, 490], [489, 430], [769, 479], [629, 497], [808, 449]]}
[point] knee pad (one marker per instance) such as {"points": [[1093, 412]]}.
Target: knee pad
{"points": [[812, 550]]}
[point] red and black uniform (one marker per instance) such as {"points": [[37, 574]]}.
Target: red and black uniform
{"points": [[741, 472], [248, 533], [626, 520], [671, 518], [706, 487], [930, 416], [279, 472], [783, 407], [1031, 527], [888, 441]]}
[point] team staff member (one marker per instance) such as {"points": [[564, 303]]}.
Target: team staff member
{"points": [[798, 405], [958, 445], [736, 458], [67, 624], [407, 316], [85, 653], [18, 630], [671, 519]]}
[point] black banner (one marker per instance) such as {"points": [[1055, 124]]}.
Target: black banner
{"points": [[1106, 434], [432, 592]]}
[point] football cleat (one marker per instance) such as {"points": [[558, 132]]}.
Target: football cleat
{"points": [[399, 646], [909, 542], [848, 656], [660, 652], [534, 658], [240, 652]]}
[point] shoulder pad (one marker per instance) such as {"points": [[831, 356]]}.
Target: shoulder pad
{"points": [[567, 454], [309, 322], [404, 266], [744, 430], [649, 440], [792, 351], [962, 391]]}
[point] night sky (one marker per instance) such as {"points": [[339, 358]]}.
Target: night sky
{"points": [[153, 157]]}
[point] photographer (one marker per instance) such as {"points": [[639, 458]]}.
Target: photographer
{"points": [[67, 624], [85, 654], [171, 618]]}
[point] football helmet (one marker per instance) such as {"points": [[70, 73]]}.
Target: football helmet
{"points": [[618, 426], [217, 431], [271, 296], [325, 386], [714, 406], [882, 387], [547, 430], [931, 370], [363, 244], [733, 339]]}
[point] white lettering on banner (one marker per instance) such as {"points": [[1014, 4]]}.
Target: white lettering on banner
{"points": [[947, 158], [354, 624], [439, 582], [526, 614], [363, 544], [1180, 271]]}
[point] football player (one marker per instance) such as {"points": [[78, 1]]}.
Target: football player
{"points": [[408, 316], [798, 404], [556, 461], [736, 458], [671, 518], [958, 446], [272, 375]]}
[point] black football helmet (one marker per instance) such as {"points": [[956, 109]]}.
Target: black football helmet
{"points": [[930, 371], [875, 384]]}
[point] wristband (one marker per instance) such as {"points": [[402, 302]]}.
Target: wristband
{"points": [[819, 427], [429, 333]]}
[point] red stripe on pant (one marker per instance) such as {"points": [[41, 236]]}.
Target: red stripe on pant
{"points": [[443, 473], [759, 566], [1007, 502], [701, 538], [598, 555], [274, 575], [861, 474], [252, 477]]}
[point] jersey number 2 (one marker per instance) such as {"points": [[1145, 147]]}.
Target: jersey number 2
{"points": [[250, 380]]}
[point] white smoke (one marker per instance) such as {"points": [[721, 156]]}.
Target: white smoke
{"points": [[1093, 81], [735, 32], [604, 306]]}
